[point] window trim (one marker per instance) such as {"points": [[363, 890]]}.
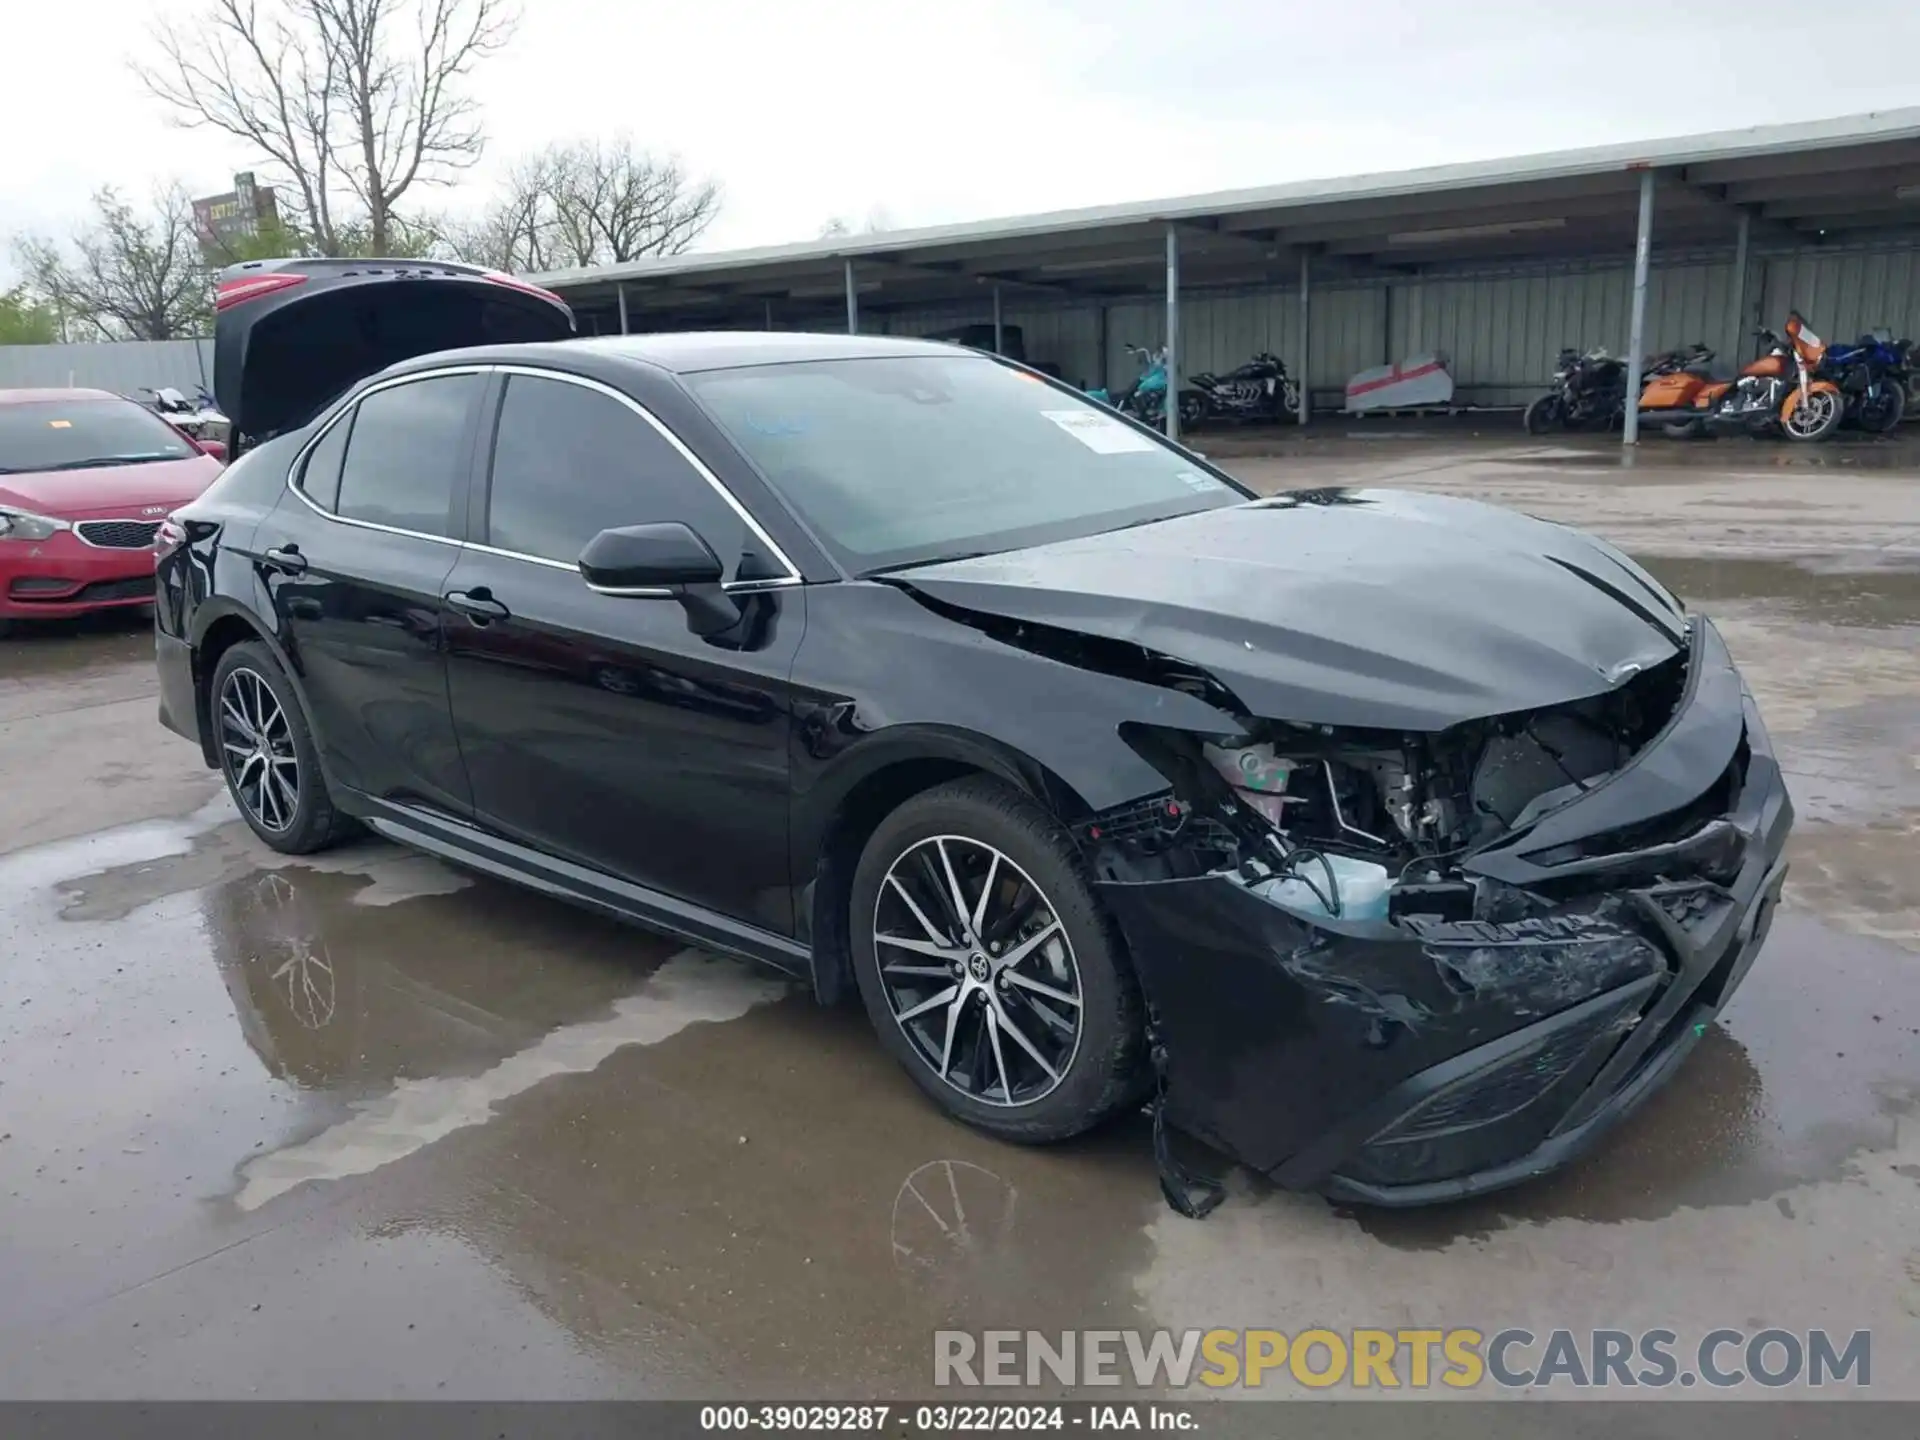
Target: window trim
{"points": [[351, 408], [737, 587], [700, 467]]}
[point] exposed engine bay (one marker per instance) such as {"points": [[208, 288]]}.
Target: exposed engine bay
{"points": [[1361, 824]]}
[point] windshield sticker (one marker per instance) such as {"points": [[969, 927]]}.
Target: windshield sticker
{"points": [[1194, 480], [60, 424], [1099, 433]]}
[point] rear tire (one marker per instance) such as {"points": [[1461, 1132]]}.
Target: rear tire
{"points": [[1545, 415], [1684, 429], [945, 999], [267, 754]]}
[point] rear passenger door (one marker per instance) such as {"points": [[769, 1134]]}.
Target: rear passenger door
{"points": [[355, 559], [597, 727]]}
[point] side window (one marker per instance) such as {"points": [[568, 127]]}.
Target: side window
{"points": [[569, 462], [320, 480], [406, 452]]}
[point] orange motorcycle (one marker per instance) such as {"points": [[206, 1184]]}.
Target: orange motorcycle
{"points": [[1777, 392]]}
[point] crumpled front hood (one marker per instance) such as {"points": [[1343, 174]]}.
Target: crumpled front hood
{"points": [[1347, 607]]}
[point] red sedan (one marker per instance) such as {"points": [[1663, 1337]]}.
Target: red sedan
{"points": [[85, 480]]}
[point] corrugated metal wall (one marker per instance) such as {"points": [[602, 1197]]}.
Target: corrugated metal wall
{"points": [[123, 366], [1843, 296], [1500, 330]]}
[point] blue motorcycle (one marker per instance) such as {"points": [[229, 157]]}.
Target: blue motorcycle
{"points": [[1146, 398], [1873, 377]]}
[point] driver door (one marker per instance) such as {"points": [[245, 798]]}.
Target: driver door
{"points": [[600, 728]]}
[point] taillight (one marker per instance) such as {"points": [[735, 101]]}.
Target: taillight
{"points": [[169, 537], [514, 282], [251, 287]]}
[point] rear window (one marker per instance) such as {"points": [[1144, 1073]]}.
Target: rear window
{"points": [[908, 460], [408, 447], [39, 435]]}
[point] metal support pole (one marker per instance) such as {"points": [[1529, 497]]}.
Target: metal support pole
{"points": [[1737, 295], [1172, 404], [1386, 324], [621, 291], [1637, 329], [853, 303], [1306, 330], [769, 305], [1100, 374], [999, 330]]}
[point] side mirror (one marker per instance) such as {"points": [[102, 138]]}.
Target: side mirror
{"points": [[666, 556], [216, 448], [666, 559]]}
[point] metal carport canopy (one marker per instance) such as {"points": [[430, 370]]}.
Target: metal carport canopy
{"points": [[1854, 177]]}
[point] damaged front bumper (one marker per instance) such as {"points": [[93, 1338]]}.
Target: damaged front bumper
{"points": [[1423, 1060]]}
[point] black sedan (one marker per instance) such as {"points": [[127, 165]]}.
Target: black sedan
{"points": [[1396, 845]]}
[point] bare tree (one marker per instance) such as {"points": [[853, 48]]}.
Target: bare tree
{"points": [[126, 276], [354, 101], [589, 203], [878, 220]]}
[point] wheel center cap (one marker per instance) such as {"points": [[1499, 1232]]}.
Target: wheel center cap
{"points": [[978, 968]]}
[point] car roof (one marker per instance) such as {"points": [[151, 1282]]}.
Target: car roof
{"points": [[689, 352], [27, 397]]}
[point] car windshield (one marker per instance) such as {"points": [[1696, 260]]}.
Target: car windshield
{"points": [[912, 459], [85, 434]]}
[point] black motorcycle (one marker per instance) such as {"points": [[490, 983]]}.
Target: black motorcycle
{"points": [[1259, 391], [1589, 393]]}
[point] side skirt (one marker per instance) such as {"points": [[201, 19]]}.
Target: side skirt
{"points": [[461, 843]]}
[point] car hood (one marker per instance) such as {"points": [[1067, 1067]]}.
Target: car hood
{"points": [[124, 489], [1345, 607]]}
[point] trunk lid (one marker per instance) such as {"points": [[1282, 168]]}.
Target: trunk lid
{"points": [[290, 335]]}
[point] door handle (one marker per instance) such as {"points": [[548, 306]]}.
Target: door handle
{"points": [[287, 559], [477, 604]]}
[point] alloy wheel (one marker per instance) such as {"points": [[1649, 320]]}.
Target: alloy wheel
{"points": [[978, 970], [256, 748], [1814, 416]]}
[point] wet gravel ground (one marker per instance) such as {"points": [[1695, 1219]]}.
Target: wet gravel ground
{"points": [[365, 1126]]}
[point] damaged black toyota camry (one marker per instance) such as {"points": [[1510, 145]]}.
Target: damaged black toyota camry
{"points": [[1395, 845]]}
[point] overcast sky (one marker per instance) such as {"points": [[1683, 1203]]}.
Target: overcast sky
{"points": [[944, 110]]}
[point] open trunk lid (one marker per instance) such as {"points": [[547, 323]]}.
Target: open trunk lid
{"points": [[290, 335]]}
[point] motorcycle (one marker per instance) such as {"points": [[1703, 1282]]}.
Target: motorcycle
{"points": [[1260, 390], [1588, 390], [1780, 391], [197, 419], [1873, 376], [1146, 398]]}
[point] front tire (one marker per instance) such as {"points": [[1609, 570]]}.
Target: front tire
{"points": [[988, 968], [1814, 420], [1545, 415], [267, 754], [1881, 418]]}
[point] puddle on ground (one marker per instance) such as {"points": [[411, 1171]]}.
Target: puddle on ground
{"points": [[1874, 599]]}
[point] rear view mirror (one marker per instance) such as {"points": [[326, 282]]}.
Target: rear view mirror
{"points": [[664, 559], [666, 556]]}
